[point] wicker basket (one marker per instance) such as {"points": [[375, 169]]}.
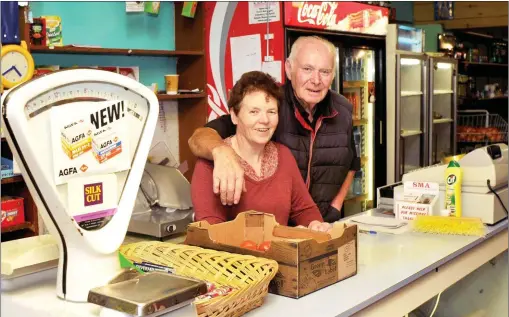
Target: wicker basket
{"points": [[248, 274]]}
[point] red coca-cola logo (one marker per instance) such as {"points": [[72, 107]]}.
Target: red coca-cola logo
{"points": [[318, 14]]}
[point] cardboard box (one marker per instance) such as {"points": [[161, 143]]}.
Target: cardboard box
{"points": [[13, 211], [7, 169], [308, 260]]}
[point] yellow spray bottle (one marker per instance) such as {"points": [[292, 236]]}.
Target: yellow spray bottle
{"points": [[453, 178]]}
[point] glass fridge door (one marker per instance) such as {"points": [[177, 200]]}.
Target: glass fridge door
{"points": [[336, 86], [359, 88], [411, 114], [442, 109]]}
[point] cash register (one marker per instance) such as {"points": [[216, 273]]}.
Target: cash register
{"points": [[484, 191]]}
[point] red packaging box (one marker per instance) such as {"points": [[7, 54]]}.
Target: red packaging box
{"points": [[13, 211]]}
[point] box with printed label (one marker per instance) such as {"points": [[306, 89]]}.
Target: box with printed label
{"points": [[13, 211], [106, 144], [7, 167], [417, 199], [76, 138], [308, 260]]}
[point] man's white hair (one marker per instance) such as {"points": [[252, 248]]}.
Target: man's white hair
{"points": [[296, 46]]}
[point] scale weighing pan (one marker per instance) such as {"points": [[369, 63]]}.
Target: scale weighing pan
{"points": [[147, 294]]}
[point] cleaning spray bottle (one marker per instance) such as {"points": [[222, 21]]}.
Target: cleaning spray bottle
{"points": [[453, 178]]}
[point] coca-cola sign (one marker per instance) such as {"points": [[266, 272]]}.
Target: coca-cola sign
{"points": [[337, 16]]}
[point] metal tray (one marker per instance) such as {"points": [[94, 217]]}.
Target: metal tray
{"points": [[147, 294]]}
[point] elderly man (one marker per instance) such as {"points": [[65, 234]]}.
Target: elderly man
{"points": [[314, 122]]}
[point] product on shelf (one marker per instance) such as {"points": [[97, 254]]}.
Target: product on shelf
{"points": [[45, 69], [480, 134], [13, 211], [53, 30]]}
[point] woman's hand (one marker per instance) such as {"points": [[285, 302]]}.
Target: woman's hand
{"points": [[320, 226]]}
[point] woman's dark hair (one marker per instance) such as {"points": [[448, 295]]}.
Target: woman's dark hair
{"points": [[251, 82]]}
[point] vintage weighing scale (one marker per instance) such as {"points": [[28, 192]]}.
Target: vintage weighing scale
{"points": [[82, 137]]}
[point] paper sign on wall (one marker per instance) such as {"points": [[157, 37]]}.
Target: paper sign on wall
{"points": [[273, 69], [263, 12], [246, 54], [92, 138], [134, 6]]}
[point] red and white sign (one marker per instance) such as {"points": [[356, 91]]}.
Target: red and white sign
{"points": [[419, 198], [337, 16], [227, 20]]}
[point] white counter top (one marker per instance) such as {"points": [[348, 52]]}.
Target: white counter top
{"points": [[386, 263]]}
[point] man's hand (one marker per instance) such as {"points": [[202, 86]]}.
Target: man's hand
{"points": [[319, 226], [228, 175]]}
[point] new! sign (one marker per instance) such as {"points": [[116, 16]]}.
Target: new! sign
{"points": [[337, 16]]}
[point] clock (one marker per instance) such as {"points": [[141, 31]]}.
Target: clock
{"points": [[17, 65]]}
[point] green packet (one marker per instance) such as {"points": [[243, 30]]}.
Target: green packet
{"points": [[143, 267], [152, 7]]}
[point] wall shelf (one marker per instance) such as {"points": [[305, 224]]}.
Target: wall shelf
{"points": [[12, 179], [411, 93], [443, 120], [356, 198], [442, 92], [408, 133], [21, 226], [358, 122], [165, 97], [355, 84], [112, 51], [483, 64]]}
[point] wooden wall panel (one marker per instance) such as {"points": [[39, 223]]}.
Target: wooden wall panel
{"points": [[468, 14]]}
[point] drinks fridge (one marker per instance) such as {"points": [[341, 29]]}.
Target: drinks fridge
{"points": [[421, 103], [358, 33]]}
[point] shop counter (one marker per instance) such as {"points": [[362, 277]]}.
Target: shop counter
{"points": [[396, 274]]}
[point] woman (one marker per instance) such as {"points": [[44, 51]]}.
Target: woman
{"points": [[273, 181]]}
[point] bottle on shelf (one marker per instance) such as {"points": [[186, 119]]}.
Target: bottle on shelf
{"points": [[357, 139], [357, 182], [360, 69], [347, 67]]}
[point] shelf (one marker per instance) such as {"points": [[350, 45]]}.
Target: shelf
{"points": [[357, 122], [163, 97], [410, 133], [411, 93], [494, 98], [111, 51], [355, 84], [12, 179], [356, 198], [442, 92], [444, 120], [23, 225], [483, 64]]}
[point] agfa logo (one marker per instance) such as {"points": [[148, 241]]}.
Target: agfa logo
{"points": [[451, 179]]}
